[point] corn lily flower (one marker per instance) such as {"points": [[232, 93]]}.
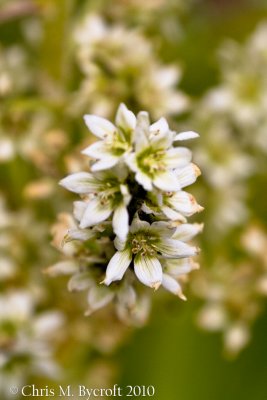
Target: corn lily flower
{"points": [[144, 246]]}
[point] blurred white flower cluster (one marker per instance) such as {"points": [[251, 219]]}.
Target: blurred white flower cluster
{"points": [[119, 65], [131, 220]]}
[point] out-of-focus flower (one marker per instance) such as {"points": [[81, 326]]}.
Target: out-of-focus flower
{"points": [[119, 65]]}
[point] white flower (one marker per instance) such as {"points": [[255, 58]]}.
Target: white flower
{"points": [[144, 246], [116, 140], [107, 194], [155, 160]]}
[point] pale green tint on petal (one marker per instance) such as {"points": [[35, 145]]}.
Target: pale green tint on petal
{"points": [[94, 213], [186, 136], [100, 127], [80, 182], [166, 181], [177, 157], [148, 270], [98, 297], [171, 248], [186, 232], [117, 266], [138, 225], [120, 221], [125, 118]]}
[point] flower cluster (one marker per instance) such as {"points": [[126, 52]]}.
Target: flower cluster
{"points": [[134, 207], [119, 64]]}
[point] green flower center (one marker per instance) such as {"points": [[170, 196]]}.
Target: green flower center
{"points": [[143, 244], [151, 161]]}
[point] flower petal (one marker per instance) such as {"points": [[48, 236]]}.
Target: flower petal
{"points": [[187, 175], [178, 267], [97, 150], [120, 221], [141, 131], [148, 270], [81, 182], [186, 135], [144, 180], [98, 297], [117, 266], [171, 248], [172, 286], [186, 232], [100, 127], [79, 208], [105, 163], [167, 181], [178, 157], [94, 213], [159, 127], [125, 118], [173, 215], [184, 203]]}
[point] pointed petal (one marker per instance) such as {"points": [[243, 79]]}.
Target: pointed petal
{"points": [[186, 232], [97, 150], [79, 208], [184, 203], [62, 268], [178, 157], [125, 118], [81, 182], [186, 136], [171, 248], [137, 225], [117, 266], [166, 181], [120, 222], [80, 281], [144, 181], [148, 270], [141, 131], [159, 127], [105, 163], [178, 267], [173, 215], [187, 175], [100, 127], [98, 297], [94, 213], [172, 286]]}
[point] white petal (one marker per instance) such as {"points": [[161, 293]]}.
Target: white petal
{"points": [[80, 281], [141, 131], [161, 126], [171, 248], [81, 182], [178, 157], [98, 297], [148, 270], [125, 118], [117, 266], [120, 222], [138, 225], [100, 127], [79, 234], [186, 232], [186, 135], [187, 175], [172, 286], [62, 268], [184, 203], [94, 213], [167, 181], [144, 180], [97, 150], [79, 208], [173, 215], [178, 267], [105, 163]]}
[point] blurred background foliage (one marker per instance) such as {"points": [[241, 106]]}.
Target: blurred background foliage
{"points": [[218, 49]]}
